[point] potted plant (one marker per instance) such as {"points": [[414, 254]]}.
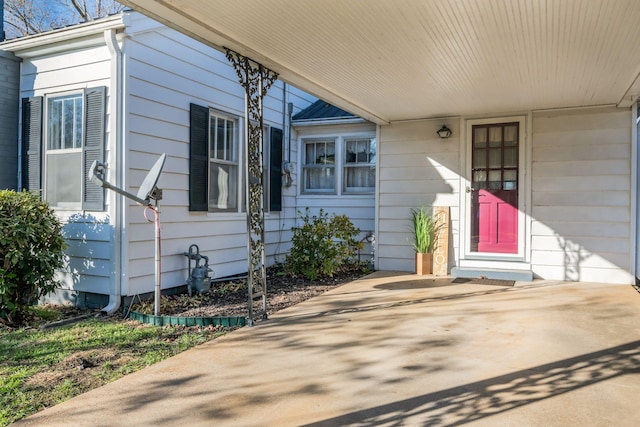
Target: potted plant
{"points": [[424, 230]]}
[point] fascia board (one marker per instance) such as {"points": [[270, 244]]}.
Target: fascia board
{"points": [[64, 39]]}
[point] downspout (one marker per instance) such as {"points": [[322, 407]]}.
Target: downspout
{"points": [[115, 132], [635, 160]]}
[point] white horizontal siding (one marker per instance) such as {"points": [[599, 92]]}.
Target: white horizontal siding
{"points": [[580, 196], [360, 211], [166, 71], [90, 251], [66, 71], [416, 169], [581, 200], [91, 257]]}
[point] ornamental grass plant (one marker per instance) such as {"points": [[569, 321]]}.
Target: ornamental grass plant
{"points": [[424, 230]]}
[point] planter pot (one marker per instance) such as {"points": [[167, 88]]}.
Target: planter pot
{"points": [[423, 264]]}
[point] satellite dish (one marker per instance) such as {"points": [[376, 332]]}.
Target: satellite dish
{"points": [[150, 181], [147, 188]]}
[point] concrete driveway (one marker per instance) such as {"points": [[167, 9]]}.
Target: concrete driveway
{"points": [[395, 349]]}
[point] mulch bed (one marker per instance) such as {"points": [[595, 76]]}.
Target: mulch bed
{"points": [[230, 298]]}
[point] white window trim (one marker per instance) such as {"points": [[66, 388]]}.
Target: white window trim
{"points": [[238, 142], [340, 147], [345, 165], [336, 162], [45, 147]]}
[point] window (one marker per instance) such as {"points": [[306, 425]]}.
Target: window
{"points": [[319, 166], [352, 171], [360, 165], [63, 154], [62, 135], [215, 177], [223, 162]]}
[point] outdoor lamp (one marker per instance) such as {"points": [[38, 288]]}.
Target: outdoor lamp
{"points": [[444, 132]]}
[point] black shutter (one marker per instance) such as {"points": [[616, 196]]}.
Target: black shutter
{"points": [[198, 158], [94, 138], [32, 143], [275, 170]]}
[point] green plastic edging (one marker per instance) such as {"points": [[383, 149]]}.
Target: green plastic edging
{"points": [[187, 321]]}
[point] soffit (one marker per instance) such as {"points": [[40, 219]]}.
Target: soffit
{"points": [[410, 59]]}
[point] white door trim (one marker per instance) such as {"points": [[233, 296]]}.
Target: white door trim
{"points": [[468, 258]]}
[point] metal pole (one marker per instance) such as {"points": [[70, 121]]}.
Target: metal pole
{"points": [[156, 305], [158, 256]]}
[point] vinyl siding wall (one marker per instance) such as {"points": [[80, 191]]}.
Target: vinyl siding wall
{"points": [[581, 199], [417, 168], [579, 161], [165, 72], [89, 236]]}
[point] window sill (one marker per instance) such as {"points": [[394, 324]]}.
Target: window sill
{"points": [[336, 195]]}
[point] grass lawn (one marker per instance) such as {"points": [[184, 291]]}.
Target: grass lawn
{"points": [[42, 367]]}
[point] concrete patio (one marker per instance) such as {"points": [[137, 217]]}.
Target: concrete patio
{"points": [[395, 349]]}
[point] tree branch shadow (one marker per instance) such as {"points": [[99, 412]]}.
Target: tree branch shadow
{"points": [[474, 401]]}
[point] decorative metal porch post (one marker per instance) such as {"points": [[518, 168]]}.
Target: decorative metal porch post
{"points": [[256, 80]]}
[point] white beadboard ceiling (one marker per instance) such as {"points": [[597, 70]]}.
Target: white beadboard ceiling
{"points": [[389, 60]]}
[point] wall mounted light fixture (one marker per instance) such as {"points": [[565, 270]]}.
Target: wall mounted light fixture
{"points": [[444, 132]]}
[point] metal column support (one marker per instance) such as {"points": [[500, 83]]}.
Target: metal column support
{"points": [[256, 80]]}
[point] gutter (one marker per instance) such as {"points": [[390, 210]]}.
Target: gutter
{"points": [[60, 36], [115, 130], [331, 121], [635, 232]]}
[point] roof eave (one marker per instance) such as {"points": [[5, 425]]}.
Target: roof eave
{"points": [[32, 45]]}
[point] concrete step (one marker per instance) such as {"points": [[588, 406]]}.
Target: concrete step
{"points": [[492, 273]]}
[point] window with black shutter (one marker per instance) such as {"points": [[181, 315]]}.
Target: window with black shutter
{"points": [[56, 162]]}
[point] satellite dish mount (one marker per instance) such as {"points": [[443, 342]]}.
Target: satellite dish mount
{"points": [[148, 191]]}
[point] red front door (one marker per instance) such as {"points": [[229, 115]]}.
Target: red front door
{"points": [[494, 188]]}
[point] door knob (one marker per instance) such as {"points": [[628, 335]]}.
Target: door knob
{"points": [[470, 189]]}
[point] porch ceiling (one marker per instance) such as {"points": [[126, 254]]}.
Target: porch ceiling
{"points": [[408, 59]]}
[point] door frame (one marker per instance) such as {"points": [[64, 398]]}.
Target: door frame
{"points": [[475, 259]]}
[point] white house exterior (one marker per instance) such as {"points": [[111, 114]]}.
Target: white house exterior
{"points": [[146, 80], [577, 196], [540, 172], [541, 181]]}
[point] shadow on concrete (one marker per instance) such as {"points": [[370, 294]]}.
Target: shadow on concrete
{"points": [[474, 401], [416, 284], [354, 306]]}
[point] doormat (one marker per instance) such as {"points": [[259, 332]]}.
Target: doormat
{"points": [[484, 281]]}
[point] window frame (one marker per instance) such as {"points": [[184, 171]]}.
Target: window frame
{"points": [[340, 165], [315, 166], [358, 165], [47, 151], [236, 145]]}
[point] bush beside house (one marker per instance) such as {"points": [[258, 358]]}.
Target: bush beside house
{"points": [[31, 250]]}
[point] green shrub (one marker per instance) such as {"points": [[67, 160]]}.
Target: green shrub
{"points": [[321, 245], [31, 250]]}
